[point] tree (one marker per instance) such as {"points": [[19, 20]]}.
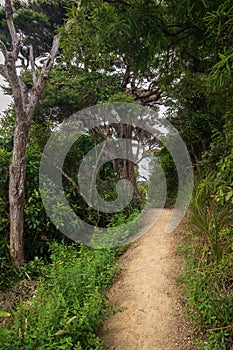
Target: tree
{"points": [[36, 23], [127, 48], [25, 102], [125, 38]]}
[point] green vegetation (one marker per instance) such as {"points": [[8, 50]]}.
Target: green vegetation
{"points": [[172, 52], [207, 277], [207, 251], [69, 305]]}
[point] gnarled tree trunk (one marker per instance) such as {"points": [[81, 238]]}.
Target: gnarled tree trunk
{"points": [[16, 193], [25, 103]]}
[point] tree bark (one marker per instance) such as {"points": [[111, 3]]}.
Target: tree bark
{"points": [[17, 174], [125, 168]]}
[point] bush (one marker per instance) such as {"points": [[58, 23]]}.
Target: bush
{"points": [[69, 305], [8, 273], [207, 281]]}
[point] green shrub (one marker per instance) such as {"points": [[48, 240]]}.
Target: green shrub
{"points": [[207, 281], [8, 273], [69, 305]]}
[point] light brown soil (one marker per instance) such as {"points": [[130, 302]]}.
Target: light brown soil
{"points": [[152, 317]]}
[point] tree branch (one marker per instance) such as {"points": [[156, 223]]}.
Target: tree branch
{"points": [[152, 99], [3, 71], [24, 91], [12, 30], [67, 177], [32, 62], [3, 49], [147, 96], [41, 81], [219, 328], [172, 34], [117, 2], [10, 71], [70, 180], [126, 77]]}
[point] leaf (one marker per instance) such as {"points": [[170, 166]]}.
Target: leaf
{"points": [[4, 314], [204, 3], [229, 195], [4, 331]]}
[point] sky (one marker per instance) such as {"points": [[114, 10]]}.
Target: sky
{"points": [[4, 99]]}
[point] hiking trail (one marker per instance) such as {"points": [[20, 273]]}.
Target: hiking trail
{"points": [[146, 290]]}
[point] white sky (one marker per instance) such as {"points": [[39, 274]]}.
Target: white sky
{"points": [[4, 99]]}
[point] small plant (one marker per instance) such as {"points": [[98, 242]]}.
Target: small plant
{"points": [[4, 331], [33, 269]]}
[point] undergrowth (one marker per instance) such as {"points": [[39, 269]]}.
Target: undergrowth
{"points": [[69, 305], [207, 281]]}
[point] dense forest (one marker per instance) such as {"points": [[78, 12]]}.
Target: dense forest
{"points": [[63, 56]]}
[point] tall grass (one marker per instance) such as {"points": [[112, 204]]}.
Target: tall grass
{"points": [[207, 281]]}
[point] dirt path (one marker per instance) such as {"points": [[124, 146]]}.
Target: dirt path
{"points": [[146, 289]]}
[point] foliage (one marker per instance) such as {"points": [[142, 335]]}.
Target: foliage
{"points": [[76, 92], [36, 23], [201, 110], [38, 227], [170, 172], [123, 227], [219, 31], [109, 50], [4, 331], [208, 302], [69, 305], [33, 269], [71, 90], [207, 278], [103, 34], [9, 275], [219, 160], [196, 114]]}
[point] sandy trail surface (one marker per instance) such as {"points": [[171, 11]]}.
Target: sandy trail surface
{"points": [[152, 317]]}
